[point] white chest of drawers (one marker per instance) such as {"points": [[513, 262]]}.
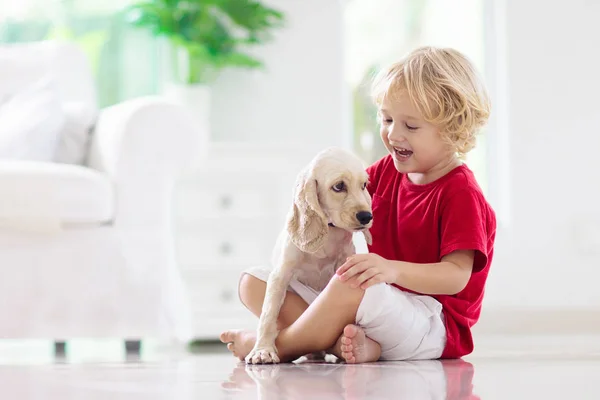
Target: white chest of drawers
{"points": [[229, 212]]}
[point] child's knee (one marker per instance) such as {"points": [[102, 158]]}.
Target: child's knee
{"points": [[343, 290], [336, 284], [249, 287]]}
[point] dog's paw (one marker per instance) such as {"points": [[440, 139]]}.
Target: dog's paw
{"points": [[263, 355]]}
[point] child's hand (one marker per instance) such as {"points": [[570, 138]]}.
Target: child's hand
{"points": [[366, 270]]}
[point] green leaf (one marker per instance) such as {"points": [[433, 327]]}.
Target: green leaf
{"points": [[212, 31], [252, 15], [241, 60]]}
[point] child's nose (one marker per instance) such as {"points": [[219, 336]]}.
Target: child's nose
{"points": [[395, 135]]}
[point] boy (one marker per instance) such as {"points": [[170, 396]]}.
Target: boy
{"points": [[419, 290]]}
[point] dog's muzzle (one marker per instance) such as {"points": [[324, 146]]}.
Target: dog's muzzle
{"points": [[364, 217]]}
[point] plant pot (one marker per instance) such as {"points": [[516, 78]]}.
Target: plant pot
{"points": [[190, 68], [196, 98]]}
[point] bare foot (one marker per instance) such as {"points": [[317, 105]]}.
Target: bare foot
{"points": [[355, 347], [239, 342]]}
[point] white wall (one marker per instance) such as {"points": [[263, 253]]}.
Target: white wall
{"points": [[547, 253], [300, 97]]}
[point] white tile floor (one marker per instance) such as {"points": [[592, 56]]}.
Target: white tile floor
{"points": [[502, 368]]}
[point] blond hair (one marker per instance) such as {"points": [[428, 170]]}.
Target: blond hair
{"points": [[446, 89]]}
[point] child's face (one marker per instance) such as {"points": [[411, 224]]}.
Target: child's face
{"points": [[415, 144]]}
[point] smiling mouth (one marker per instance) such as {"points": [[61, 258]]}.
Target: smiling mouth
{"points": [[402, 153]]}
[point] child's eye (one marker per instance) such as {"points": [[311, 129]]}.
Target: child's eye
{"points": [[411, 128]]}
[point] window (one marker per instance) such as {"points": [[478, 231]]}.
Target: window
{"points": [[381, 31], [124, 60]]}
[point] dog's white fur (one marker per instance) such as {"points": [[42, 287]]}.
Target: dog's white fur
{"points": [[309, 248]]}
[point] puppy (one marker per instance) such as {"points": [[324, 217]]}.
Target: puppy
{"points": [[331, 202]]}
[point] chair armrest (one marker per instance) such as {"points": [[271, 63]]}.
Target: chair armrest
{"points": [[142, 136], [143, 144]]}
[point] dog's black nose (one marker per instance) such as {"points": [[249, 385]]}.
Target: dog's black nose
{"points": [[364, 217]]}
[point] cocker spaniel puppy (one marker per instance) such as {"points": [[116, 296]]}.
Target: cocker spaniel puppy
{"points": [[330, 204]]}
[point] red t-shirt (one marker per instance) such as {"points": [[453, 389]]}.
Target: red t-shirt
{"points": [[423, 223]]}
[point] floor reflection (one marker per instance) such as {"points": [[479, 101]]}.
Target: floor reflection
{"points": [[448, 379]]}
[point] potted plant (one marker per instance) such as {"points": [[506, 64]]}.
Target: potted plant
{"points": [[205, 37]]}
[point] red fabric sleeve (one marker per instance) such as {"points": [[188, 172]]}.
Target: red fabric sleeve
{"points": [[463, 226]]}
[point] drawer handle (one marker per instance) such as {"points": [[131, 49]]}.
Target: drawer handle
{"points": [[227, 295], [226, 248], [226, 202]]}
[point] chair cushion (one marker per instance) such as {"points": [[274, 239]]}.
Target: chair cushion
{"points": [[31, 121], [68, 194]]}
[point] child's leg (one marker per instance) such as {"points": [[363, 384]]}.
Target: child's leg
{"points": [[252, 294], [407, 326], [318, 328], [352, 345]]}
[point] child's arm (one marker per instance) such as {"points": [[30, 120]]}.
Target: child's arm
{"points": [[449, 276], [463, 232]]}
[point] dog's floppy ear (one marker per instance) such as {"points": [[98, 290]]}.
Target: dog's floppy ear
{"points": [[368, 237], [307, 224]]}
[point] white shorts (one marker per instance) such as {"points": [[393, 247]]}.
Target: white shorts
{"points": [[406, 326]]}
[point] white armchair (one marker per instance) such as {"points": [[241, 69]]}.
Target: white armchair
{"points": [[86, 250]]}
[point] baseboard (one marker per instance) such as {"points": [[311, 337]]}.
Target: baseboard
{"points": [[523, 321]]}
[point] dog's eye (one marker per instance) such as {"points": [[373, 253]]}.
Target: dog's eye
{"points": [[364, 186], [339, 187]]}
